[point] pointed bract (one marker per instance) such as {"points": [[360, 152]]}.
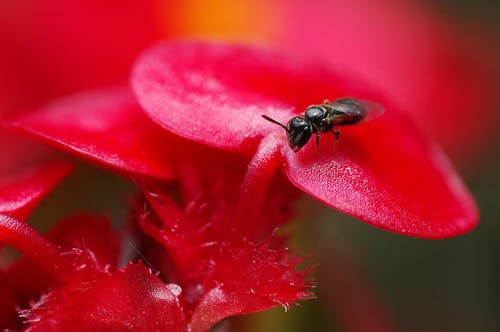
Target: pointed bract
{"points": [[128, 299]]}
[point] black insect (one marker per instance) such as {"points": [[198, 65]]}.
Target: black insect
{"points": [[322, 118]]}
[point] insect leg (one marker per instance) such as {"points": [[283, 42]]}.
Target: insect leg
{"points": [[337, 134], [317, 142]]}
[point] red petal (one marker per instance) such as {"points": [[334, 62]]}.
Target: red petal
{"points": [[33, 245], [215, 94], [22, 191], [387, 174], [129, 299], [105, 126], [261, 279], [83, 239]]}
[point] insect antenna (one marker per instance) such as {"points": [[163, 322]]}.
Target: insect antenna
{"points": [[275, 122]]}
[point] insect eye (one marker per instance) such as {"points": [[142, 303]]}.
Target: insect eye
{"points": [[315, 114], [297, 122], [299, 132]]}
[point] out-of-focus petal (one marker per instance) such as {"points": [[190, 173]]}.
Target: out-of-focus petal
{"points": [[21, 192], [105, 126], [82, 240]]}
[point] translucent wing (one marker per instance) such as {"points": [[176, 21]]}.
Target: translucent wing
{"points": [[348, 111], [372, 110]]}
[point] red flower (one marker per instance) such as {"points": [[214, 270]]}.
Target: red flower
{"points": [[384, 172], [213, 212], [85, 291], [203, 236], [219, 264], [88, 293]]}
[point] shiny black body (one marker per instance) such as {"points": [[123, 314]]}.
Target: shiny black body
{"points": [[321, 119]]}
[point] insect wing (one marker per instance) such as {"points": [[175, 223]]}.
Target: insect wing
{"points": [[372, 110], [349, 111]]}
